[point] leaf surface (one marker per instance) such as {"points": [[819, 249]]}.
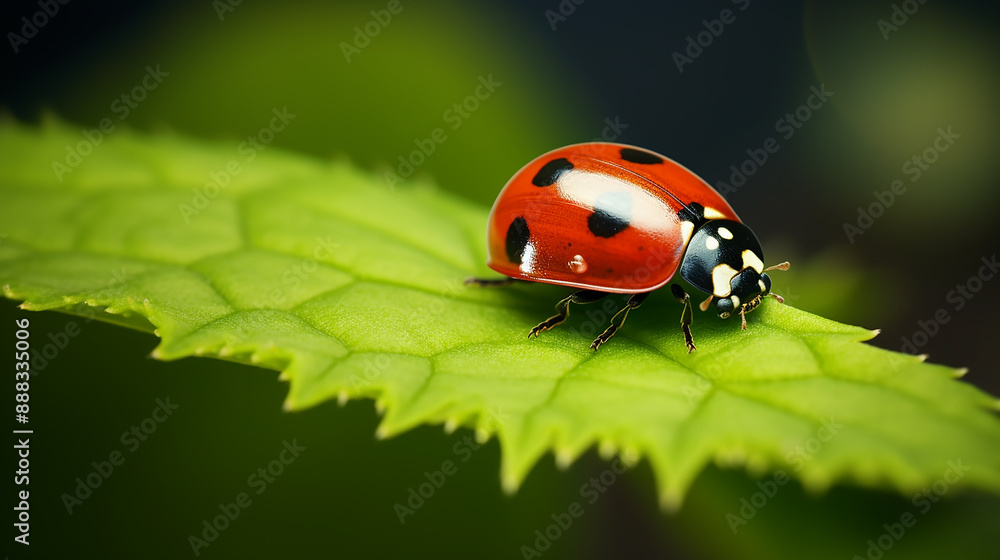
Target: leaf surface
{"points": [[353, 289]]}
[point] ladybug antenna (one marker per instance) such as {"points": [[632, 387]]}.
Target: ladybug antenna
{"points": [[704, 305], [779, 266]]}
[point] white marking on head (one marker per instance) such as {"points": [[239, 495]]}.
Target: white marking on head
{"points": [[750, 260], [722, 276], [711, 243], [736, 302], [762, 286], [725, 233], [713, 214]]}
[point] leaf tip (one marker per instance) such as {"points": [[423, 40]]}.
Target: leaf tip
{"points": [[816, 482], [450, 425], [960, 372], [381, 433], [509, 484], [671, 501], [564, 458], [731, 457], [607, 449], [343, 397]]}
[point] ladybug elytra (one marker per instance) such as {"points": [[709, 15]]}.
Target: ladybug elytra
{"points": [[612, 218]]}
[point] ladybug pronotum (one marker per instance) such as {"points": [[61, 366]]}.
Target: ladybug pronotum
{"points": [[611, 218]]}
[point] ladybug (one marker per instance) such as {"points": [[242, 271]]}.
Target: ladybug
{"points": [[612, 218]]}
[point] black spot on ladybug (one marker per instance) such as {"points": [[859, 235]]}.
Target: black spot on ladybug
{"points": [[517, 239], [640, 156], [612, 214], [550, 172], [640, 247]]}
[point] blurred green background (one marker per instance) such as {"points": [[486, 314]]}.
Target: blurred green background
{"points": [[562, 72]]}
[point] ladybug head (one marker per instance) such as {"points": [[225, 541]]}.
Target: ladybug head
{"points": [[748, 288], [724, 258]]}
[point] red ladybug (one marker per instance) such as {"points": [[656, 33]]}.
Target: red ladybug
{"points": [[611, 218]]}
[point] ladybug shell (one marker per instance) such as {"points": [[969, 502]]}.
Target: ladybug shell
{"points": [[598, 216]]}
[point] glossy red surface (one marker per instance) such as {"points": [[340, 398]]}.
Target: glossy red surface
{"points": [[563, 250]]}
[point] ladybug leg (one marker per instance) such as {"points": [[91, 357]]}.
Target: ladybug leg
{"points": [[619, 319], [490, 282], [686, 316], [562, 309], [777, 297]]}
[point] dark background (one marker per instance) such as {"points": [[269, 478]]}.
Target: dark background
{"points": [[604, 61]]}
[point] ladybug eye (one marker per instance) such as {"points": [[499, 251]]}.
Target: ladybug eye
{"points": [[725, 307], [765, 284]]}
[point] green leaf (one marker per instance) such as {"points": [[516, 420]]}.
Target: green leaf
{"points": [[353, 289]]}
